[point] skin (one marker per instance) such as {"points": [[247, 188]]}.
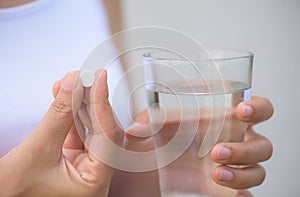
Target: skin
{"points": [[58, 164], [52, 161], [253, 150], [247, 154]]}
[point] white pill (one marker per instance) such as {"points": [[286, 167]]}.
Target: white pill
{"points": [[87, 78]]}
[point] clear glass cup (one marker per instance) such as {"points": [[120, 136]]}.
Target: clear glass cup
{"points": [[191, 105]]}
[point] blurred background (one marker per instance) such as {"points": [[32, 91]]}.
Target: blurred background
{"points": [[270, 29]]}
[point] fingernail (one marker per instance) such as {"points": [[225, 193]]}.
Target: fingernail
{"points": [[223, 153], [247, 111], [68, 80], [226, 175]]}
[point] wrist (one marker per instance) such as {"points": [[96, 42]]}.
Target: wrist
{"points": [[10, 175]]}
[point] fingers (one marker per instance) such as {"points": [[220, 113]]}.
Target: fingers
{"points": [[56, 123], [96, 113], [73, 140], [255, 149], [256, 110], [105, 136], [102, 116], [239, 178]]}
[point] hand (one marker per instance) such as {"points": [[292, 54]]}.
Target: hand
{"points": [[53, 161], [253, 150], [247, 154]]}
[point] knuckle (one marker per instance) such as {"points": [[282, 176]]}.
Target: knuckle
{"points": [[249, 177], [61, 107], [117, 135], [240, 182], [243, 154], [247, 151], [242, 185]]}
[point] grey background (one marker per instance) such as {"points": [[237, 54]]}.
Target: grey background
{"points": [[270, 29]]}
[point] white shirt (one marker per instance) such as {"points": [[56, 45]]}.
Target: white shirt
{"points": [[40, 42]]}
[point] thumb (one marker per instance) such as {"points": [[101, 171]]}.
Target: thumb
{"points": [[56, 123]]}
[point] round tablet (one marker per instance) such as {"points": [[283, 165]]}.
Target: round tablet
{"points": [[87, 78]]}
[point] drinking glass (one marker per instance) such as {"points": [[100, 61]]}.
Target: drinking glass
{"points": [[191, 104]]}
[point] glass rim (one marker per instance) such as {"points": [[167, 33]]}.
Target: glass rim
{"points": [[235, 55]]}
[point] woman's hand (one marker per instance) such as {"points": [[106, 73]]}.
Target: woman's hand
{"points": [[247, 154], [53, 161]]}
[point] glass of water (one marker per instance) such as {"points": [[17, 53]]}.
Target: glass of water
{"points": [[191, 105]]}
